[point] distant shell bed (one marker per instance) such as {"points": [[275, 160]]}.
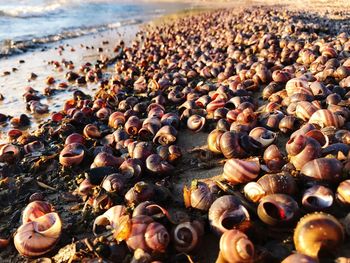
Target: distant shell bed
{"points": [[270, 90]]}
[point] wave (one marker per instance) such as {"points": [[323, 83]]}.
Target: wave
{"points": [[11, 47], [26, 11]]}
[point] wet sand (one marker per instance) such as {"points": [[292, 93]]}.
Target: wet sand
{"points": [[79, 51]]}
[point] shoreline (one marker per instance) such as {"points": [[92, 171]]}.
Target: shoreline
{"points": [[79, 50]]}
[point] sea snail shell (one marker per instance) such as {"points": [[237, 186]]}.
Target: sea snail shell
{"points": [[111, 217], [226, 213], [237, 171], [317, 231], [270, 184], [39, 236], [72, 154], [299, 258], [302, 149], [317, 198], [235, 247], [325, 118], [343, 192], [323, 169], [187, 236], [35, 210], [277, 209], [147, 234], [198, 196]]}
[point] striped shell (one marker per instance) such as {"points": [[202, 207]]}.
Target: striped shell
{"points": [[325, 118], [235, 247], [238, 171]]}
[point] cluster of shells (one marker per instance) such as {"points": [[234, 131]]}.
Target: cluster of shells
{"points": [[271, 88]]}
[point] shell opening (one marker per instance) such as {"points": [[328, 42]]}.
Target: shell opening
{"points": [[245, 248], [184, 236], [274, 211]]}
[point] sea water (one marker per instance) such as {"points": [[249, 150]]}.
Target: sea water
{"points": [[29, 23]]}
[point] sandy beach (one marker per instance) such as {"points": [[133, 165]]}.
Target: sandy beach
{"points": [[201, 61]]}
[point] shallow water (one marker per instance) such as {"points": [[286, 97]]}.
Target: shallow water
{"points": [[27, 24]]}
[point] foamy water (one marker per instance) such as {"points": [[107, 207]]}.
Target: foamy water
{"points": [[27, 24]]}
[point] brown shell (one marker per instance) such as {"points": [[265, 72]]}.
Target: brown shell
{"points": [[136, 237], [325, 118], [166, 135], [323, 169], [91, 131], [186, 236], [299, 258], [237, 171], [198, 196], [302, 149], [273, 158], [227, 213], [230, 145], [37, 237], [304, 110], [277, 209], [157, 237], [263, 135], [298, 85], [72, 154], [195, 123], [132, 125], [271, 184], [235, 247], [318, 231], [317, 198], [343, 192]]}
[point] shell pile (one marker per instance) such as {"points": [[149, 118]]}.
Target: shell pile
{"points": [[270, 89]]}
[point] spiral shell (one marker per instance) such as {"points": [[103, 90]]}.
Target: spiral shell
{"points": [[316, 232], [299, 258], [302, 149], [270, 184], [263, 135], [198, 196], [230, 145], [273, 158], [35, 210], [187, 235], [138, 227], [110, 218], [132, 125], [304, 110], [113, 183], [9, 153], [195, 123], [39, 236], [116, 119], [238, 171], [157, 237], [343, 192], [72, 154], [323, 169], [226, 213], [297, 85], [155, 164], [214, 140], [91, 131], [317, 198], [166, 135], [277, 209], [235, 247], [325, 118]]}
